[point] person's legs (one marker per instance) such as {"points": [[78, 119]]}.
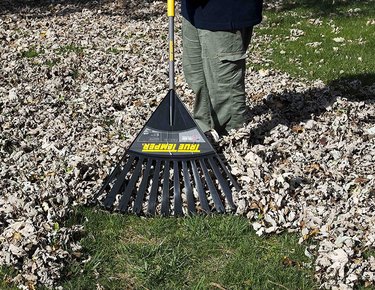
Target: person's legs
{"points": [[194, 75], [224, 65]]}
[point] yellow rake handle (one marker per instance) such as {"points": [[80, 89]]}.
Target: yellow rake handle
{"points": [[170, 8], [171, 5]]}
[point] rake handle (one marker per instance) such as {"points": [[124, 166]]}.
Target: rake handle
{"points": [[171, 14]]}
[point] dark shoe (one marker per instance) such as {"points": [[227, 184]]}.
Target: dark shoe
{"points": [[212, 136], [214, 139]]}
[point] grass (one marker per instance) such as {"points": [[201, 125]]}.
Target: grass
{"points": [[6, 275], [31, 53], [368, 253], [52, 63], [113, 50], [320, 40], [129, 252], [71, 48]]}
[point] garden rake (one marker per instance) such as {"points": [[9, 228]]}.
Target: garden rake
{"points": [[170, 167]]}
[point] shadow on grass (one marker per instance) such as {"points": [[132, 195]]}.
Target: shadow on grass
{"points": [[291, 108], [48, 8]]}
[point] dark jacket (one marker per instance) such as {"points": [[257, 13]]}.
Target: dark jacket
{"points": [[222, 14]]}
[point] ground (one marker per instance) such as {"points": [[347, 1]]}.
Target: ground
{"points": [[79, 81]]}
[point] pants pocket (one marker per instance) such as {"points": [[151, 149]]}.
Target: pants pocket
{"points": [[231, 69]]}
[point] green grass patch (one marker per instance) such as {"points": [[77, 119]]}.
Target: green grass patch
{"points": [[369, 253], [6, 274], [31, 53], [113, 50], [320, 39], [74, 73], [52, 62], [71, 48], [129, 252]]}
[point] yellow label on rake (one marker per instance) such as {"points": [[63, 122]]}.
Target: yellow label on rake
{"points": [[170, 147], [171, 51]]}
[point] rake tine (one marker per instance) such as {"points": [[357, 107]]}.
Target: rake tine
{"points": [[215, 196], [201, 193], [232, 179], [165, 195], [176, 190], [129, 188], [154, 188], [107, 182], [142, 188], [189, 189], [108, 201], [222, 182]]}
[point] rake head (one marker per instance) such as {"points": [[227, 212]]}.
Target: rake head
{"points": [[170, 168]]}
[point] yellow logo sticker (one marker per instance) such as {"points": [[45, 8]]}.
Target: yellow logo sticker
{"points": [[170, 147]]}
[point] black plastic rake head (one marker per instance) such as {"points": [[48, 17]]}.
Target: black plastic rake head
{"points": [[170, 168]]}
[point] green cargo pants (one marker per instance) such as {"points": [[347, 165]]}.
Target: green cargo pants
{"points": [[214, 64]]}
